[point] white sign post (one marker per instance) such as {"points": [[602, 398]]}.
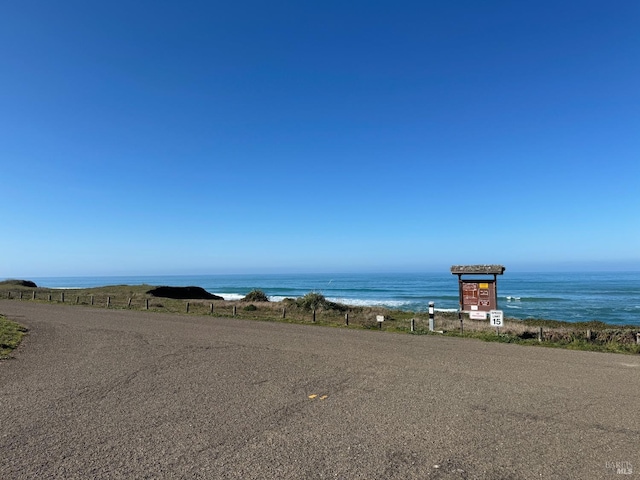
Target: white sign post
{"points": [[432, 313], [380, 319], [497, 319]]}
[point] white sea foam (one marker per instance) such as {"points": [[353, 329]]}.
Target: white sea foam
{"points": [[513, 306], [230, 296], [277, 298], [357, 302]]}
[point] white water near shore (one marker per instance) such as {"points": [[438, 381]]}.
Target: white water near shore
{"points": [[611, 297]]}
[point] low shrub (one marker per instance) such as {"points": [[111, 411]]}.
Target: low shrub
{"points": [[256, 296], [317, 301], [311, 301], [340, 307]]}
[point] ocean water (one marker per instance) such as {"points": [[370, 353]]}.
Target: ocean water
{"points": [[609, 297]]}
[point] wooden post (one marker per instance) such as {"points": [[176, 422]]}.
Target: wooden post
{"points": [[589, 335], [20, 295], [540, 335], [346, 319], [77, 299], [637, 338], [284, 312], [212, 308], [146, 304], [34, 295], [9, 295], [129, 303], [62, 297], [234, 310], [49, 297], [314, 316], [187, 307], [91, 299], [413, 324], [108, 301], [432, 313]]}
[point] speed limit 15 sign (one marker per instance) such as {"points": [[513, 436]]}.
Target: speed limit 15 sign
{"points": [[497, 318]]}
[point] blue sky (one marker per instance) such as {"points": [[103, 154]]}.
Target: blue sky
{"points": [[253, 136]]}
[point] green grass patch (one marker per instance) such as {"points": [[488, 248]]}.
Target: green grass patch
{"points": [[11, 334]]}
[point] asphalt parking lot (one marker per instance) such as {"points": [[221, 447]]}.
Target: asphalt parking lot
{"points": [[96, 393]]}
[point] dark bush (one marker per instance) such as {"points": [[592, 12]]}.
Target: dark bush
{"points": [[256, 296], [250, 308], [20, 283], [311, 301], [340, 307], [314, 300], [183, 293]]}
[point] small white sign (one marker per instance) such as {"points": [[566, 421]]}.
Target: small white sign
{"points": [[497, 318], [478, 315], [380, 318]]}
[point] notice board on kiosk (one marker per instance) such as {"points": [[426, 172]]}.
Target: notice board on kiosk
{"points": [[478, 294]]}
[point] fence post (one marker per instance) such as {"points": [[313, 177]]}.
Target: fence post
{"points": [[314, 316], [146, 304], [91, 299], [432, 310], [346, 319], [129, 303], [77, 299], [9, 295], [540, 335], [49, 297], [637, 338], [62, 297], [284, 312], [234, 310], [20, 295], [187, 307], [413, 325], [108, 301], [589, 335], [34, 295], [212, 308]]}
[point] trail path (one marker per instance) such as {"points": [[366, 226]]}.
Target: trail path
{"points": [[96, 393]]}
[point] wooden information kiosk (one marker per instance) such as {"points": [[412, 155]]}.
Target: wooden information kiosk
{"points": [[478, 294]]}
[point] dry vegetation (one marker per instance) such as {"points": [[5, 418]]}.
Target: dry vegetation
{"points": [[314, 308]]}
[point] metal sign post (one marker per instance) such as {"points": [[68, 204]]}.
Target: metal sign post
{"points": [[497, 319]]}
